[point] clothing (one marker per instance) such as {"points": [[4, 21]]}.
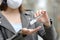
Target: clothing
{"points": [[7, 31], [17, 27]]}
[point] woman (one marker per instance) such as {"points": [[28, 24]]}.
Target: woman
{"points": [[15, 23]]}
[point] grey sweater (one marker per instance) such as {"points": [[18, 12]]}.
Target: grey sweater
{"points": [[7, 32]]}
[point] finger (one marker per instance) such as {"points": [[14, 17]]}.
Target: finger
{"points": [[37, 14], [43, 12], [30, 31], [36, 29], [39, 20]]}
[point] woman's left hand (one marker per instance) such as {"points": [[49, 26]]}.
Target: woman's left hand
{"points": [[44, 18]]}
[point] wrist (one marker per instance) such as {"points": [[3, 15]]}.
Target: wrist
{"points": [[47, 24]]}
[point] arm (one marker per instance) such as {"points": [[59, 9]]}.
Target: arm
{"points": [[24, 32], [49, 33]]}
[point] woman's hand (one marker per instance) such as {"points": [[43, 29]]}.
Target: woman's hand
{"points": [[44, 18], [26, 31]]}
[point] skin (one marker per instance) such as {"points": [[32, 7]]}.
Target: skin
{"points": [[12, 13], [44, 19]]}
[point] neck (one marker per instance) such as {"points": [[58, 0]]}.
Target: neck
{"points": [[14, 11]]}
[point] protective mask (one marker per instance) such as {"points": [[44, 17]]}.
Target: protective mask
{"points": [[14, 4]]}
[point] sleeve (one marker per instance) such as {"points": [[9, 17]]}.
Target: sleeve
{"points": [[17, 36], [2, 33], [1, 37], [4, 36], [48, 33]]}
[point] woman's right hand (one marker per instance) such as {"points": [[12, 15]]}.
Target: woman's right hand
{"points": [[26, 31]]}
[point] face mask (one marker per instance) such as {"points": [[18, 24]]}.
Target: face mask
{"points": [[14, 4]]}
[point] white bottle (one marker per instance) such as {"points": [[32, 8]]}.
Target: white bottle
{"points": [[35, 20]]}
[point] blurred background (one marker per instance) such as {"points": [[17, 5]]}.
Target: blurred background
{"points": [[51, 6]]}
